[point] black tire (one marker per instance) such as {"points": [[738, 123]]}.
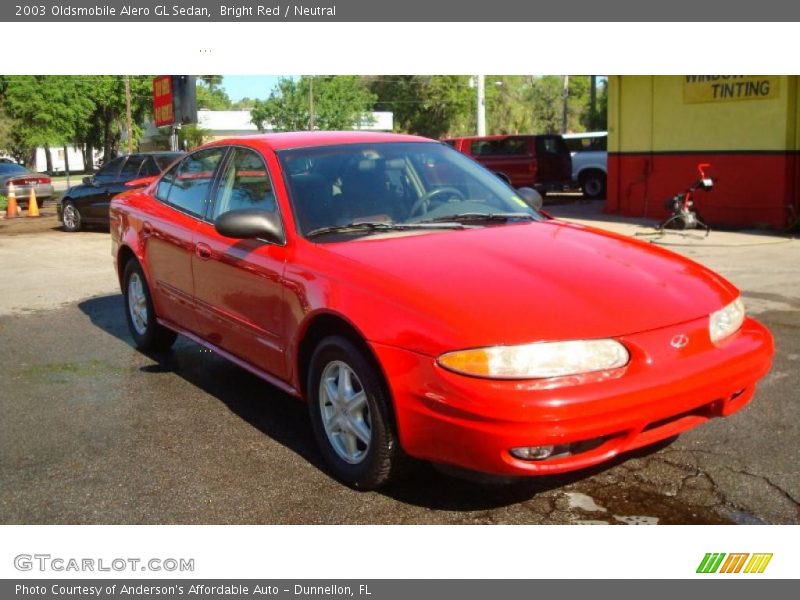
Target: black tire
{"points": [[593, 185], [382, 458], [148, 335], [72, 222]]}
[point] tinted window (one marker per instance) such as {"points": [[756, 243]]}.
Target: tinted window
{"points": [[110, 171], [244, 184], [132, 166], [550, 145], [165, 160], [149, 168], [187, 183], [505, 147]]}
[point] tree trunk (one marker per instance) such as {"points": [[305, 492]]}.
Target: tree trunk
{"points": [[48, 157], [107, 138], [88, 158], [31, 161], [66, 159]]}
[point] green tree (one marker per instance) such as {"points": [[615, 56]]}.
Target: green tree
{"points": [[598, 121], [211, 96], [434, 106], [546, 103], [509, 107], [191, 136], [340, 102], [243, 104], [42, 111], [106, 124]]}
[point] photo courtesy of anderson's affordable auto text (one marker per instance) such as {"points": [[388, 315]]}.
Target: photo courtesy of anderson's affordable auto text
{"points": [[296, 328]]}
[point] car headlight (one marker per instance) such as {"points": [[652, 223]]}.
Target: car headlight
{"points": [[537, 361], [726, 321]]}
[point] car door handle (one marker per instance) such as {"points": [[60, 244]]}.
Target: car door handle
{"points": [[202, 251], [147, 229]]}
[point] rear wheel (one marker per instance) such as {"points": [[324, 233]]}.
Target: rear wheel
{"points": [[148, 335], [71, 217], [593, 184], [351, 415]]}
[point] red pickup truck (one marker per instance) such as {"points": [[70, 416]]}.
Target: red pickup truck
{"points": [[539, 161]]}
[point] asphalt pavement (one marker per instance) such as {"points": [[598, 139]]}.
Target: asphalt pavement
{"points": [[94, 431]]}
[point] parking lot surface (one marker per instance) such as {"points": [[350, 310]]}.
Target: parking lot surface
{"points": [[95, 432]]}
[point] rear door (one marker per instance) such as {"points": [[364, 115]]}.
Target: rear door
{"points": [[512, 157], [169, 231], [553, 160]]}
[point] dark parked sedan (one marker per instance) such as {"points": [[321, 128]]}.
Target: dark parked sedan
{"points": [[24, 180], [87, 204]]}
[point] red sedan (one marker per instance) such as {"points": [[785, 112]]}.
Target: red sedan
{"points": [[423, 308]]}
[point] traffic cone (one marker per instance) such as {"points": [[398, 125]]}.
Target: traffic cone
{"points": [[11, 209], [33, 206]]}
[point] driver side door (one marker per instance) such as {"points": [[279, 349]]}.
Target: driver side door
{"points": [[96, 196]]}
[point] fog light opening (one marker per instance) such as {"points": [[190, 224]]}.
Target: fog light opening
{"points": [[533, 452], [559, 451]]}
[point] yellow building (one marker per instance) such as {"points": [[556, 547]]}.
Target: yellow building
{"points": [[747, 127]]}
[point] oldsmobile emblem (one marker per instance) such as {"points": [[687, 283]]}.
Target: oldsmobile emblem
{"points": [[679, 341]]}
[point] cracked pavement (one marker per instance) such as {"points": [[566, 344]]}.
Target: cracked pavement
{"points": [[96, 432]]}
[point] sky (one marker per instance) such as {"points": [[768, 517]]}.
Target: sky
{"points": [[250, 86]]}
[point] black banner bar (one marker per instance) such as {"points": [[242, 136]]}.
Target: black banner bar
{"points": [[733, 588], [404, 11]]}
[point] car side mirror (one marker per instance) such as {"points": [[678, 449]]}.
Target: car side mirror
{"points": [[88, 180], [531, 197], [250, 223]]}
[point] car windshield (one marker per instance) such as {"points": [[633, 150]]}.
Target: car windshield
{"points": [[397, 185]]}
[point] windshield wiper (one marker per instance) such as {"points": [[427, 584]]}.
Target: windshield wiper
{"points": [[380, 226], [473, 217]]}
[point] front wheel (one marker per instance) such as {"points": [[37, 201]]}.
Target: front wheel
{"points": [[148, 335], [71, 217], [351, 415]]}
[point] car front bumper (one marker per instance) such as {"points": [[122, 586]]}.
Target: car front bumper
{"points": [[473, 423]]}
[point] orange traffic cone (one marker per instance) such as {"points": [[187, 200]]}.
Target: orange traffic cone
{"points": [[11, 209], [33, 206]]}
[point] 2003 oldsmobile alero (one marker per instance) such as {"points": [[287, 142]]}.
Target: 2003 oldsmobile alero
{"points": [[424, 308]]}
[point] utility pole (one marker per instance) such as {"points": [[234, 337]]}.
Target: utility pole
{"points": [[311, 103], [565, 109], [128, 118], [481, 90]]}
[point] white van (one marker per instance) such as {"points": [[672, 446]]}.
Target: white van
{"points": [[589, 152]]}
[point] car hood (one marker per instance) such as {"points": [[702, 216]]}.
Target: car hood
{"points": [[528, 282]]}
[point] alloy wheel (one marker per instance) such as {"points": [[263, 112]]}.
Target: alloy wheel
{"points": [[345, 412]]}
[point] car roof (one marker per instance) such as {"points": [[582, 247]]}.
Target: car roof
{"points": [[308, 139], [502, 136], [585, 134], [158, 153]]}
